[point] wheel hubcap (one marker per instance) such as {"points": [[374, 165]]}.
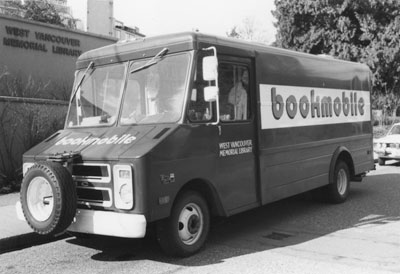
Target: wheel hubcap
{"points": [[342, 182], [190, 225], [40, 199]]}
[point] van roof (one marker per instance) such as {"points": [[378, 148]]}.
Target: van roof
{"points": [[139, 44], [178, 42]]}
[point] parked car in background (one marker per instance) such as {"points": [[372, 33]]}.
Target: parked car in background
{"points": [[388, 147]]}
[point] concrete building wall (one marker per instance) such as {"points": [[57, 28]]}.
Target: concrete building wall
{"points": [[46, 53], [38, 59]]}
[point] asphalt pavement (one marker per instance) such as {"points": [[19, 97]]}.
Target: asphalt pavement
{"points": [[14, 233]]}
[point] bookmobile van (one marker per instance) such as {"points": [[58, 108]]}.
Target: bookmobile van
{"points": [[176, 129]]}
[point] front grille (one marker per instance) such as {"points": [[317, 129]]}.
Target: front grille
{"points": [[98, 173], [91, 171], [93, 184], [93, 195]]}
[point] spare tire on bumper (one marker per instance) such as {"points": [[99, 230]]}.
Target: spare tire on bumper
{"points": [[48, 198]]}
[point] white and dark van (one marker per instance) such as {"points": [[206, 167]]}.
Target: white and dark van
{"points": [[175, 129]]}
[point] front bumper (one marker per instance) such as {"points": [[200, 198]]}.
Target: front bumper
{"points": [[109, 223], [388, 153], [103, 223]]}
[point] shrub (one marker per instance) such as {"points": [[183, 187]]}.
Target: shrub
{"points": [[23, 123]]}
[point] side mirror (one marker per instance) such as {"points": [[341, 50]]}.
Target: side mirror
{"points": [[211, 94], [210, 73], [210, 68]]}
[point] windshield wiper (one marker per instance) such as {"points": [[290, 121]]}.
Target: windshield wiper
{"points": [[152, 61], [89, 67]]}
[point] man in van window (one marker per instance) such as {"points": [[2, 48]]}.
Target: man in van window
{"points": [[238, 97], [152, 89]]}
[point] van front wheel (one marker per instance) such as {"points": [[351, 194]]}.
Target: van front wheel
{"points": [[185, 231]]}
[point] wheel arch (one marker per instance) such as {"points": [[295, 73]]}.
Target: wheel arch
{"points": [[209, 193], [341, 154]]}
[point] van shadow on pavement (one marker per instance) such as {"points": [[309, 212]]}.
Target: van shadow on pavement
{"points": [[288, 222]]}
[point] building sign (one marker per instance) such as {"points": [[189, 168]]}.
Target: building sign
{"points": [[44, 54], [233, 148], [41, 41]]}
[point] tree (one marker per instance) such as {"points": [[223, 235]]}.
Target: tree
{"points": [[41, 11], [366, 31], [249, 30], [233, 33]]}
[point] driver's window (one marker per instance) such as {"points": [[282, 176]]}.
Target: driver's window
{"points": [[199, 110], [234, 92]]}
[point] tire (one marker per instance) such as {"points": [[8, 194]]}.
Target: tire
{"points": [[337, 191], [48, 198], [381, 161], [185, 231]]}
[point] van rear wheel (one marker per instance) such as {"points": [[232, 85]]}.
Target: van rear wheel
{"points": [[48, 198], [185, 231], [337, 191]]}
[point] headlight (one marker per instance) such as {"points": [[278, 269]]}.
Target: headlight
{"points": [[123, 186]]}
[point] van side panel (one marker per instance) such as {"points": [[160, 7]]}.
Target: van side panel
{"points": [[296, 151], [184, 154]]}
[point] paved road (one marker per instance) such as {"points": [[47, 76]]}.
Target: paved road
{"points": [[297, 235]]}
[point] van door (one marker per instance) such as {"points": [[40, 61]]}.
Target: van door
{"points": [[236, 161]]}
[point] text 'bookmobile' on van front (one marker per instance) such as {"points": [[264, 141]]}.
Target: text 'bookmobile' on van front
{"points": [[172, 130]]}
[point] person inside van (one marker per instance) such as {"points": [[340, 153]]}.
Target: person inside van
{"points": [[238, 96], [152, 89]]}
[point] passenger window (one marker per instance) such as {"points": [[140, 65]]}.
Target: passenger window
{"points": [[234, 92]]}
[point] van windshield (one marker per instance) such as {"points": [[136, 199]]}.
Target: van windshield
{"points": [[156, 93], [153, 94], [96, 101]]}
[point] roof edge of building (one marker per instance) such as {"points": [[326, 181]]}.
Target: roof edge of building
{"points": [[57, 27]]}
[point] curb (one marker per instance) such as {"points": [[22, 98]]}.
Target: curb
{"points": [[27, 240]]}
